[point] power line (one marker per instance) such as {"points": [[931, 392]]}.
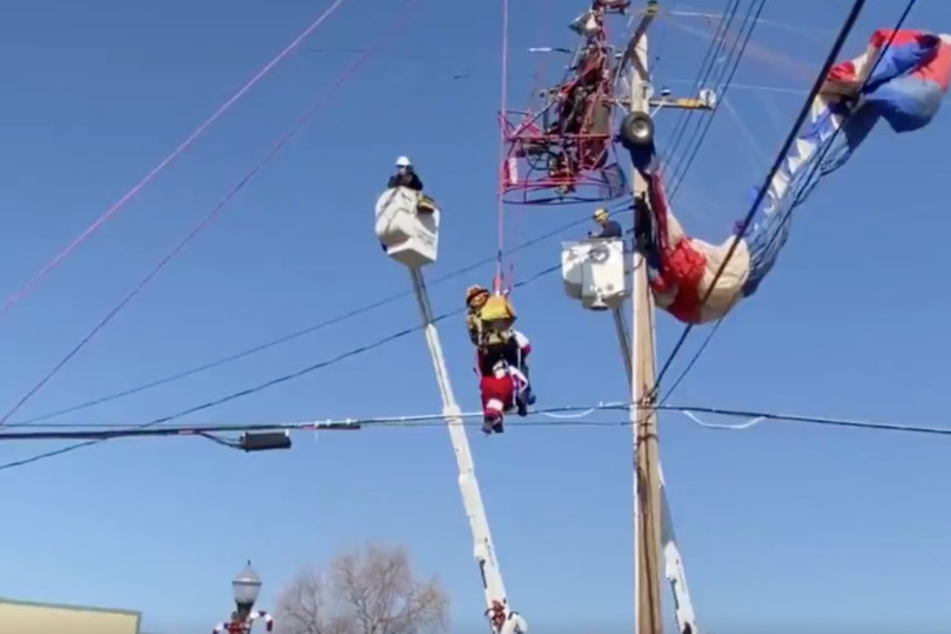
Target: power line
{"points": [[120, 204], [720, 39], [777, 164], [722, 89], [276, 381], [213, 214], [563, 416], [754, 87], [706, 67], [297, 334], [789, 26], [779, 227]]}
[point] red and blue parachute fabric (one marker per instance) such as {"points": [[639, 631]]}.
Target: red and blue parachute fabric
{"points": [[902, 82], [905, 88]]}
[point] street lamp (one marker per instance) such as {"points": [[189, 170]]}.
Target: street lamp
{"points": [[245, 588]]}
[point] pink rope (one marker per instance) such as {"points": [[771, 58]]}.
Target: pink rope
{"points": [[537, 82], [500, 205], [341, 79], [120, 204]]}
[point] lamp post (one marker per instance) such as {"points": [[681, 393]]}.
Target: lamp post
{"points": [[245, 587]]}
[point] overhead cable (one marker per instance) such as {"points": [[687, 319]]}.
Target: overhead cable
{"points": [[299, 333], [729, 72], [812, 172], [120, 204], [278, 380], [215, 211], [777, 164], [565, 416], [706, 67]]}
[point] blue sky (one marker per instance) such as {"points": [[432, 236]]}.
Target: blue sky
{"points": [[800, 525]]}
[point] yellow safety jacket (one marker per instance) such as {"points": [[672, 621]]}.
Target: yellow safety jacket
{"points": [[492, 324]]}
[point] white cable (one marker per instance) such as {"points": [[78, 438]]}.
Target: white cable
{"points": [[586, 412], [720, 426]]}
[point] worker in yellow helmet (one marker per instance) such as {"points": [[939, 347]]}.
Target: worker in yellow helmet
{"points": [[609, 228], [476, 297], [490, 317], [490, 323]]}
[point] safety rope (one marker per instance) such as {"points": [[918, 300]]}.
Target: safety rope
{"points": [[500, 203], [538, 83]]}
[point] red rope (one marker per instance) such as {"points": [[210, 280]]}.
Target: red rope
{"points": [[216, 210], [120, 204], [500, 205]]}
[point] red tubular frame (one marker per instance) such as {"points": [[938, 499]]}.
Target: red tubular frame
{"points": [[594, 173]]}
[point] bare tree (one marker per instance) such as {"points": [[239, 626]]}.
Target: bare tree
{"points": [[371, 591]]}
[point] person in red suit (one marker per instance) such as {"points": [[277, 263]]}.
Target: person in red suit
{"points": [[501, 357]]}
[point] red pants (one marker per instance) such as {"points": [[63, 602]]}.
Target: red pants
{"points": [[498, 395]]}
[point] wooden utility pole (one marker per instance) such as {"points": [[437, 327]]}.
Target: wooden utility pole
{"points": [[647, 478]]}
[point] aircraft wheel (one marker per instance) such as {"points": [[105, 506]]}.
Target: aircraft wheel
{"points": [[637, 130]]}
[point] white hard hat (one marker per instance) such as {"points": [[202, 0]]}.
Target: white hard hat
{"points": [[402, 161]]}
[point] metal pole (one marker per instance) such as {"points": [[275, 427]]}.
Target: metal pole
{"points": [[647, 488], [468, 484]]}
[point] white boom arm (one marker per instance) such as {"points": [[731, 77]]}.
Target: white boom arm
{"points": [[468, 484], [407, 225]]}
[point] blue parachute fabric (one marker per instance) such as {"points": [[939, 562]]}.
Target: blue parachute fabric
{"points": [[833, 132], [825, 151], [907, 103]]}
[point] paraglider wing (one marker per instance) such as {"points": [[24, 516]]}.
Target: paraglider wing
{"points": [[903, 84]]}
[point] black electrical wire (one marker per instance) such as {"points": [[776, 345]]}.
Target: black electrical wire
{"points": [[171, 378], [679, 176], [814, 169], [729, 71], [777, 164], [849, 23], [294, 335], [706, 67], [436, 420], [272, 382], [692, 145]]}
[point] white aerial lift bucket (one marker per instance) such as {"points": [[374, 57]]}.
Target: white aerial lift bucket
{"points": [[593, 272], [409, 235]]}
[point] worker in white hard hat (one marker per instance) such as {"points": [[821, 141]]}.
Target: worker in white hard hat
{"points": [[405, 176]]}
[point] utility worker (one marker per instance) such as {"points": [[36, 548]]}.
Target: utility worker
{"points": [[405, 176], [489, 321], [609, 228], [490, 317], [476, 297]]}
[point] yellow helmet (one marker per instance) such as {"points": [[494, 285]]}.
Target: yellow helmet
{"points": [[600, 214], [475, 291]]}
